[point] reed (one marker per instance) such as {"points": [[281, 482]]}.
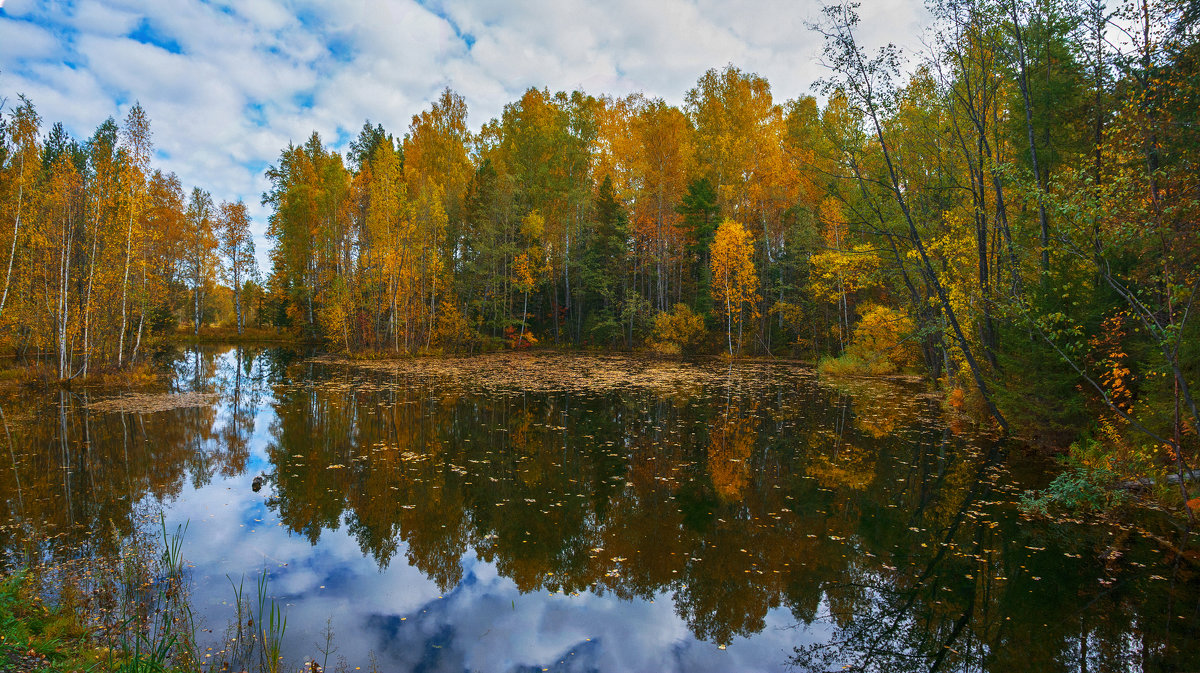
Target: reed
{"points": [[137, 616]]}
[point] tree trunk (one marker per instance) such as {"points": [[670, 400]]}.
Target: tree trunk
{"points": [[237, 288], [125, 290], [524, 312], [87, 316], [1023, 81], [141, 313], [729, 325], [196, 295], [12, 253]]}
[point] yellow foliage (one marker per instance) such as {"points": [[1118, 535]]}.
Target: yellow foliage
{"points": [[679, 331], [884, 333], [451, 328], [793, 315], [835, 272], [882, 344], [836, 228], [533, 226], [523, 273], [1115, 373], [734, 281]]}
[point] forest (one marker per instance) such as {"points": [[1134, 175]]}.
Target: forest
{"points": [[1012, 215]]}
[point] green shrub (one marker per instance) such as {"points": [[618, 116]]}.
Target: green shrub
{"points": [[1079, 487]]}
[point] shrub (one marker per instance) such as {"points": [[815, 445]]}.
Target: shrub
{"points": [[679, 331], [1094, 469], [881, 345], [1079, 487], [452, 331], [882, 336], [516, 339]]}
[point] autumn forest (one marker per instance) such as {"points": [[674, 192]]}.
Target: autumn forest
{"points": [[1012, 216]]}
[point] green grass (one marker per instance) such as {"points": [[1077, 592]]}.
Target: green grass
{"points": [[34, 634], [850, 364]]}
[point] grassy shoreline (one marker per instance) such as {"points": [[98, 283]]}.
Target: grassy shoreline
{"points": [[145, 373], [36, 636], [131, 612]]}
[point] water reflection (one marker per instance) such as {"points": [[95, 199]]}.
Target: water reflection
{"points": [[752, 521]]}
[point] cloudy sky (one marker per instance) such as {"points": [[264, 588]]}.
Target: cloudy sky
{"points": [[227, 83]]}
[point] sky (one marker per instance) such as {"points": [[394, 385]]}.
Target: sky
{"points": [[228, 83]]}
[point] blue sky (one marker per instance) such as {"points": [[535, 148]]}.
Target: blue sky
{"points": [[227, 83]]}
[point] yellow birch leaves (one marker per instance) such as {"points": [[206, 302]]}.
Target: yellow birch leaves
{"points": [[734, 281]]}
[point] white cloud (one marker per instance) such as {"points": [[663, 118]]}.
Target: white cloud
{"points": [[28, 40], [228, 83]]}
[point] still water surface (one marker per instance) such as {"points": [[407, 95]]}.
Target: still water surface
{"points": [[585, 513]]}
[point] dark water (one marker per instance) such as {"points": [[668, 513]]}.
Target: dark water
{"points": [[752, 519]]}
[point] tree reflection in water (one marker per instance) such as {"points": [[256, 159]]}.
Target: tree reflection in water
{"points": [[892, 541]]}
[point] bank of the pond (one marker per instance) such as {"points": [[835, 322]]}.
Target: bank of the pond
{"points": [[37, 636], [69, 632], [228, 336]]}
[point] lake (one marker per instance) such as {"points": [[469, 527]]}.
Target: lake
{"points": [[540, 511]]}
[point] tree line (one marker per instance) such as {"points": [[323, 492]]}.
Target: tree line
{"points": [[102, 252], [1014, 215]]}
